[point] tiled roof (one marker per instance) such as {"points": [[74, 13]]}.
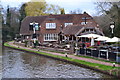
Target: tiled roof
{"points": [[71, 29], [25, 23], [75, 18], [75, 29]]}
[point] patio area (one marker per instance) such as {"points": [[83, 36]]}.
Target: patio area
{"points": [[94, 47]]}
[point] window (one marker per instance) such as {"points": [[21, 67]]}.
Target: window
{"points": [[83, 23], [68, 24], [31, 27], [83, 18], [92, 30], [50, 37], [87, 30], [50, 25], [36, 26]]}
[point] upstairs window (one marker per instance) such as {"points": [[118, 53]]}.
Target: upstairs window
{"points": [[89, 30], [50, 25], [31, 27], [34, 25], [83, 23], [83, 18], [68, 24]]}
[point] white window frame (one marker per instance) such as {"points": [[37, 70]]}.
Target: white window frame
{"points": [[68, 24], [51, 37], [50, 25], [83, 23]]}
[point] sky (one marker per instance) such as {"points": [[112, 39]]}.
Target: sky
{"points": [[68, 5]]}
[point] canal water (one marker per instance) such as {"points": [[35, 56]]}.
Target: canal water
{"points": [[18, 64]]}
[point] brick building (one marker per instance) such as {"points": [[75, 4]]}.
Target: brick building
{"points": [[52, 28]]}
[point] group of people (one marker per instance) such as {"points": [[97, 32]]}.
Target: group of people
{"points": [[88, 44]]}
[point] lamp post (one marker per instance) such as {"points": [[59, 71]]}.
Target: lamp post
{"points": [[112, 25]]}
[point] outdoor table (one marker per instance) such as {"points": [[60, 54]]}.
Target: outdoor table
{"points": [[112, 56], [95, 52], [103, 54], [82, 51], [118, 57], [88, 51]]}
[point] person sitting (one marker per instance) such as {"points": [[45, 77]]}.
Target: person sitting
{"points": [[98, 43], [83, 45]]}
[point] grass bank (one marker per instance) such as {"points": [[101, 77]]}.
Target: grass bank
{"points": [[97, 59], [94, 66]]}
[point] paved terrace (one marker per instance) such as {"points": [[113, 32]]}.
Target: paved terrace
{"points": [[71, 56]]}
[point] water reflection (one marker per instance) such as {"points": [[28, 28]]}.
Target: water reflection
{"points": [[17, 64]]}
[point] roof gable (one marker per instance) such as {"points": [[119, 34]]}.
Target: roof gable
{"points": [[71, 29]]}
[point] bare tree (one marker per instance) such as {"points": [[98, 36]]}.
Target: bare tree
{"points": [[110, 11]]}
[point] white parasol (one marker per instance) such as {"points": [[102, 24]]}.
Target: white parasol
{"points": [[102, 38], [90, 35], [114, 39]]}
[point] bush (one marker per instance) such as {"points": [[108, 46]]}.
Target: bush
{"points": [[26, 43]]}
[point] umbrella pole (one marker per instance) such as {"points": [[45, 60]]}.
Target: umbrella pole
{"points": [[107, 55]]}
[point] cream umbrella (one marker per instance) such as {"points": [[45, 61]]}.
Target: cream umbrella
{"points": [[90, 35], [114, 39], [102, 38]]}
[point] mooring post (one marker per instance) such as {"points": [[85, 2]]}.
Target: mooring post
{"points": [[113, 64], [66, 55]]}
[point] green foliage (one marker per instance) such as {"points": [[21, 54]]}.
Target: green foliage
{"points": [[117, 30], [53, 9], [110, 12], [114, 13], [22, 12], [11, 28], [37, 8], [26, 43], [62, 11], [8, 21]]}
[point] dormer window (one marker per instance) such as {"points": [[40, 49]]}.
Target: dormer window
{"points": [[83, 23], [34, 25], [83, 18], [50, 25], [68, 24]]}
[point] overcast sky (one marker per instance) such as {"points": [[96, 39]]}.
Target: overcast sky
{"points": [[68, 5]]}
